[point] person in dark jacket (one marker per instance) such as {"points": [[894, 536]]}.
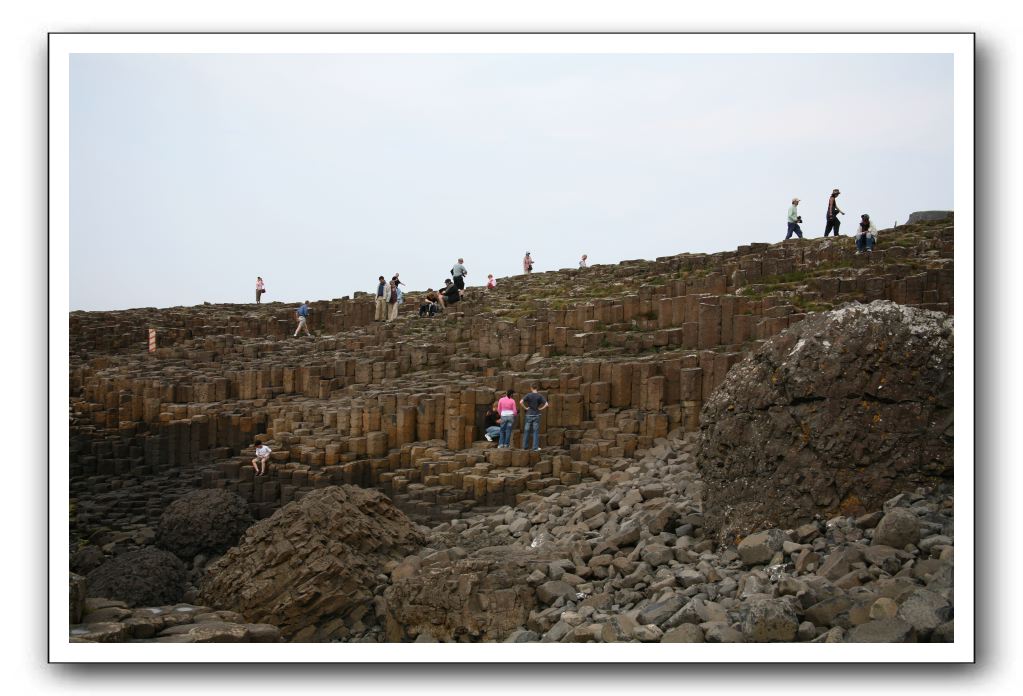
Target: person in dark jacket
{"points": [[833, 212]]}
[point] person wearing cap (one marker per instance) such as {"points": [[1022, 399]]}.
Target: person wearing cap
{"points": [[866, 236], [794, 220], [527, 263], [833, 213]]}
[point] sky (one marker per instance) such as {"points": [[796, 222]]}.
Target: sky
{"points": [[191, 174]]}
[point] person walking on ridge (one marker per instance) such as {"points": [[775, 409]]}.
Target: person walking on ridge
{"points": [[508, 410], [260, 288], [302, 313], [383, 295], [458, 272], [527, 263], [533, 402], [833, 212], [794, 220]]}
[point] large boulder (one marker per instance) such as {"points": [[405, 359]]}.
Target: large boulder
{"points": [[484, 597], [835, 415], [146, 577], [312, 568], [204, 521]]}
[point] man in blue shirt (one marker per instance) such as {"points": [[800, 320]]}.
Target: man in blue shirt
{"points": [[383, 296], [533, 402], [302, 313]]}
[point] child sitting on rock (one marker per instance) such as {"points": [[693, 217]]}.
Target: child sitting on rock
{"points": [[261, 458]]}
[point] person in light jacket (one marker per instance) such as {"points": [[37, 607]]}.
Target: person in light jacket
{"points": [[866, 235]]}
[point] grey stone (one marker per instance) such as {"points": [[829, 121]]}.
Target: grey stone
{"points": [[552, 590], [924, 611], [686, 633], [880, 631], [897, 528], [769, 620], [759, 548]]}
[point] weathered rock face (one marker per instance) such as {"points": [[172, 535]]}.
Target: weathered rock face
{"points": [[205, 521], [312, 569], [139, 578], [836, 414], [484, 597]]}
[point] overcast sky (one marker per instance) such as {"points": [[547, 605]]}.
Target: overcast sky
{"points": [[191, 174]]}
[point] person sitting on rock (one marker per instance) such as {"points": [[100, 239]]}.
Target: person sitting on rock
{"points": [[429, 304], [262, 457], [866, 236], [450, 294], [492, 423]]}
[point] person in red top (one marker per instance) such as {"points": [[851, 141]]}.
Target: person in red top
{"points": [[508, 409], [491, 283]]}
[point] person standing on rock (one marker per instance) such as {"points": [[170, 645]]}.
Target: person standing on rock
{"points": [[383, 295], [492, 423], [867, 235], [508, 410], [533, 402], [393, 300], [458, 272], [794, 220], [527, 263], [491, 283], [302, 313], [262, 457], [833, 212], [260, 288], [582, 262]]}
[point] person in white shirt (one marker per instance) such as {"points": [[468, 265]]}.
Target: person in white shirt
{"points": [[582, 262], [261, 458], [866, 235]]}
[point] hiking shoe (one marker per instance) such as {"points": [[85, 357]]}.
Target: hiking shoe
{"points": [[489, 439]]}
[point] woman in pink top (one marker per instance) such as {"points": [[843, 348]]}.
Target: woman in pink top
{"points": [[508, 409], [527, 263], [260, 288], [491, 283]]}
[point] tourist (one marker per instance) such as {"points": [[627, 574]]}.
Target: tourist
{"points": [[491, 283], [794, 220], [393, 300], [527, 263], [458, 272], [533, 402], [261, 458], [833, 212], [430, 303], [491, 423], [451, 294], [582, 262], [383, 296], [260, 288], [396, 279], [867, 236], [302, 313], [508, 410]]}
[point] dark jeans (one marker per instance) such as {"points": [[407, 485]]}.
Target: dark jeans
{"points": [[864, 241], [427, 307], [532, 423], [460, 282], [833, 224], [794, 227]]}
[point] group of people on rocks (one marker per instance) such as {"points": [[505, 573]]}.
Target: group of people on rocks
{"points": [[866, 234], [499, 420]]}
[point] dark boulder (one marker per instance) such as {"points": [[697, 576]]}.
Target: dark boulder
{"points": [[147, 577], [835, 415], [204, 521]]}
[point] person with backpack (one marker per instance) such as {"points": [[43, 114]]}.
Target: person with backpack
{"points": [[833, 212], [302, 313], [458, 272]]}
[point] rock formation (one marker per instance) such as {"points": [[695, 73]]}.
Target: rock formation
{"points": [[204, 521], [312, 569], [144, 577], [836, 414]]}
